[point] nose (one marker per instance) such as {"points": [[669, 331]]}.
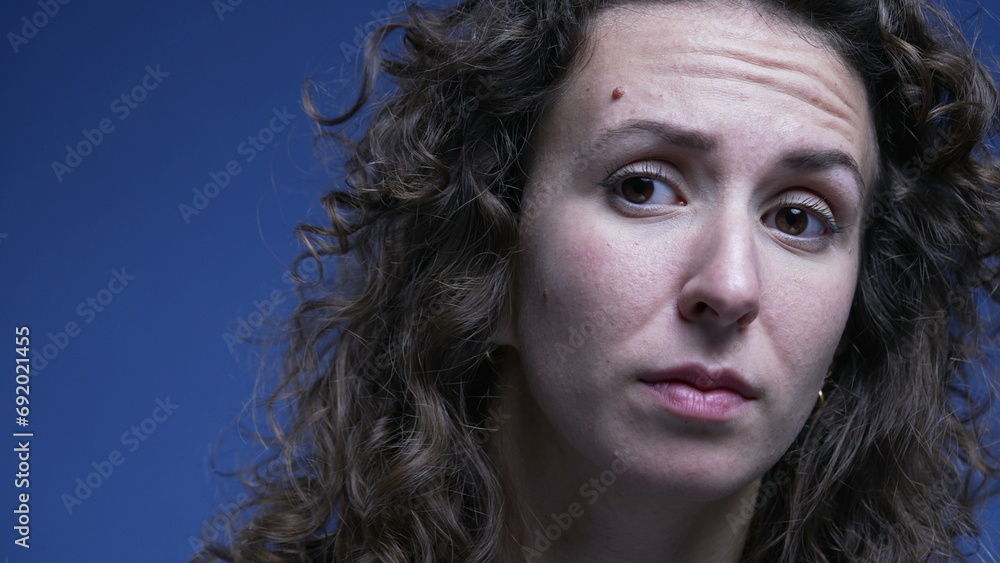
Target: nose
{"points": [[723, 283]]}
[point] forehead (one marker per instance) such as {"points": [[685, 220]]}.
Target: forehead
{"points": [[679, 59]]}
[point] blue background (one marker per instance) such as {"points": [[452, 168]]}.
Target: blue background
{"points": [[63, 238]]}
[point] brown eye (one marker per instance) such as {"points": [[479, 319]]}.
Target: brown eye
{"points": [[638, 189], [643, 184], [791, 220], [801, 221]]}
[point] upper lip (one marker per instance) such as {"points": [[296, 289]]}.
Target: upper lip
{"points": [[703, 377]]}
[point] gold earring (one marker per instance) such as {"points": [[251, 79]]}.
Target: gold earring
{"points": [[822, 399], [494, 355], [819, 404]]}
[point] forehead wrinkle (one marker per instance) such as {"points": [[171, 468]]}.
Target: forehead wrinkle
{"points": [[789, 81], [844, 105], [752, 49]]}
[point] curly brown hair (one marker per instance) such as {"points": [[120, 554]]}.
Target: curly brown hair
{"points": [[382, 414]]}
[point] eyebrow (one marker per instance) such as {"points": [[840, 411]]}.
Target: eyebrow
{"points": [[803, 161], [669, 134], [822, 160]]}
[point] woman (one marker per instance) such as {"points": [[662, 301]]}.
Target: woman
{"points": [[645, 281]]}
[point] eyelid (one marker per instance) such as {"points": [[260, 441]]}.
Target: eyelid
{"points": [[642, 168], [812, 203], [638, 168], [654, 170]]}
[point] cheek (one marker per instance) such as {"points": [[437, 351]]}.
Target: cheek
{"points": [[804, 315], [584, 279]]}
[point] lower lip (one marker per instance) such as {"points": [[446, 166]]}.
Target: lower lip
{"points": [[687, 401]]}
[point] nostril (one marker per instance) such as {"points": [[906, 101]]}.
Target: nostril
{"points": [[746, 319]]}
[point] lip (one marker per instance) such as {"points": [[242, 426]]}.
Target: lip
{"points": [[698, 392]]}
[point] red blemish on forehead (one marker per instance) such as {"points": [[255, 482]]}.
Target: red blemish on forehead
{"points": [[617, 93]]}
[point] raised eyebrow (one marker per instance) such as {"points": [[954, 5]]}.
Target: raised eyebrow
{"points": [[822, 160], [668, 133]]}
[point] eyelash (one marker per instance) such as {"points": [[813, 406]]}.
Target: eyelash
{"points": [[812, 204], [815, 205], [643, 169], [640, 170]]}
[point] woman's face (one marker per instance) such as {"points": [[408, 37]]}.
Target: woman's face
{"points": [[690, 245]]}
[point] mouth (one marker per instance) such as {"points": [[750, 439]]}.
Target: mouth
{"points": [[695, 391]]}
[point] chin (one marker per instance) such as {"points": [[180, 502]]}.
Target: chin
{"points": [[693, 480]]}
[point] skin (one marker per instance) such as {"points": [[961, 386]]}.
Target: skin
{"points": [[721, 108]]}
